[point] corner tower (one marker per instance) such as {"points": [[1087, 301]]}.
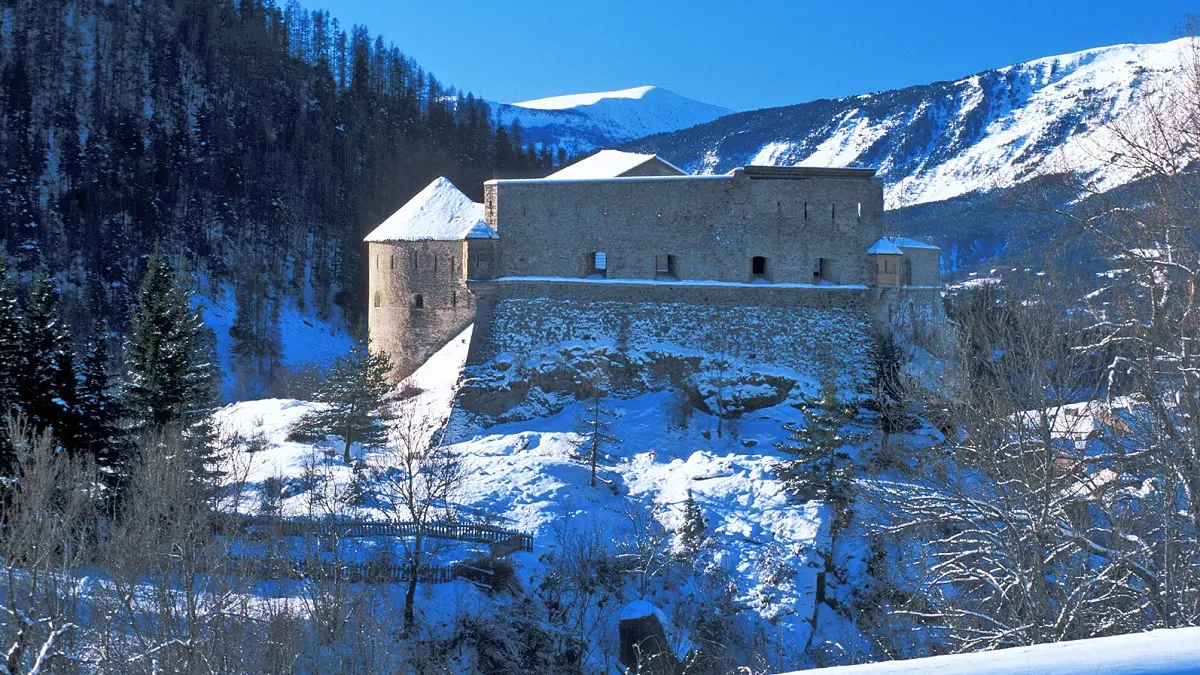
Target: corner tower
{"points": [[419, 260]]}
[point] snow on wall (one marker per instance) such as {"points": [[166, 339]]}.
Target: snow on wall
{"points": [[534, 356]]}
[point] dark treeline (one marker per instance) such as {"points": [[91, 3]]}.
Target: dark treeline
{"points": [[256, 142]]}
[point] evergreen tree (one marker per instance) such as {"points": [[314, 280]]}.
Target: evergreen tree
{"points": [[821, 467], [356, 402], [693, 534], [99, 412], [889, 396], [171, 375], [45, 379], [594, 427]]}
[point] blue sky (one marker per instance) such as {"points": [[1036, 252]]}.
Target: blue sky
{"points": [[743, 54]]}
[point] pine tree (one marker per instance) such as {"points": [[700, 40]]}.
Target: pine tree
{"points": [[889, 397], [171, 376], [821, 467], [693, 533], [99, 411], [594, 427], [356, 402], [170, 367], [45, 379]]}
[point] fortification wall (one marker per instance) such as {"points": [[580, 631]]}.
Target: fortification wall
{"points": [[914, 314], [539, 346], [713, 225], [419, 299], [925, 265]]}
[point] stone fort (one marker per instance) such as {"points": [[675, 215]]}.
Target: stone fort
{"points": [[770, 267]]}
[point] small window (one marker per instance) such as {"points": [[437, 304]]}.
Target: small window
{"points": [[454, 298], [833, 213], [806, 210], [758, 266], [598, 261], [820, 270], [418, 301], [392, 261], [860, 210], [378, 298], [666, 265]]}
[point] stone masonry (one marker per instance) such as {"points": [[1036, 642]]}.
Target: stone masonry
{"points": [[799, 240]]}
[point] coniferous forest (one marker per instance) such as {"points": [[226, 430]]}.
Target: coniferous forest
{"points": [[254, 143]]}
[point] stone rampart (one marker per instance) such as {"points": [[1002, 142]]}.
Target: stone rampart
{"points": [[538, 346]]}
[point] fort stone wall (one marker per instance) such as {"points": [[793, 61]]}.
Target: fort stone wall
{"points": [[924, 267], [538, 346], [813, 228]]}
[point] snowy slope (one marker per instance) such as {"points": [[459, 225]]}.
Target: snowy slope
{"points": [[306, 339], [584, 122], [932, 142], [524, 475], [1160, 652]]}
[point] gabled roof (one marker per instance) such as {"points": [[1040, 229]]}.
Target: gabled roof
{"points": [[440, 212], [884, 247], [612, 164]]}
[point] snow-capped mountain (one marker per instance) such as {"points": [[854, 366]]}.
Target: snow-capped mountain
{"points": [[584, 122], [933, 142]]}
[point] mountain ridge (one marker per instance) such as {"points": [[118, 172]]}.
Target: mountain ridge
{"points": [[931, 142], [584, 122]]}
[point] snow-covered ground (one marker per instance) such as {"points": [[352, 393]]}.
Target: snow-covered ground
{"points": [[524, 475], [1159, 652], [306, 339]]}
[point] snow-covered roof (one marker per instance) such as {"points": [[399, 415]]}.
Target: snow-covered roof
{"points": [[911, 243], [440, 212], [607, 164], [884, 247]]}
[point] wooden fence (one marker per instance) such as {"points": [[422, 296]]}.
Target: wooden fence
{"points": [[369, 572], [503, 541]]}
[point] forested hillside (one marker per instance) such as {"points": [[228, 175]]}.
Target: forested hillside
{"points": [[254, 143]]}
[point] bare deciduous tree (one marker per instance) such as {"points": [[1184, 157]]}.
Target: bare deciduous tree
{"points": [[416, 481], [50, 520]]}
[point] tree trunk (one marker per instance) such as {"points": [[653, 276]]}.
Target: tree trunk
{"points": [[410, 596], [595, 458], [346, 452]]}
